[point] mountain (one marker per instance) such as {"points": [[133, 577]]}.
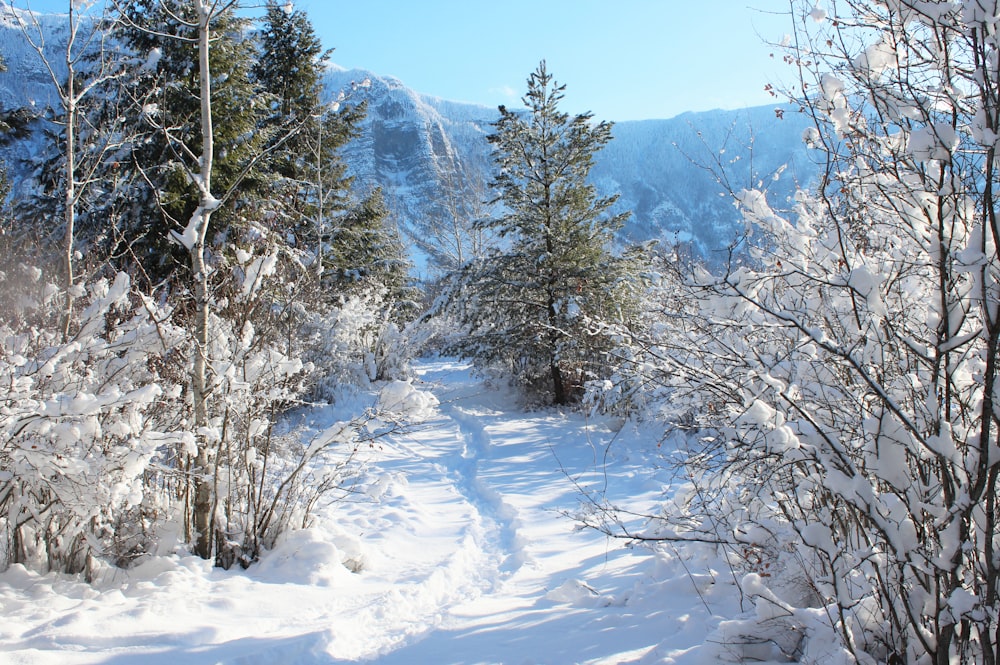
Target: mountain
{"points": [[27, 83], [675, 175], [667, 172], [412, 145]]}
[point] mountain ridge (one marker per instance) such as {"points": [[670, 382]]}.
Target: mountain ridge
{"points": [[662, 169]]}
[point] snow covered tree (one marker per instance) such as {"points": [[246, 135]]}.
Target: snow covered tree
{"points": [[528, 305], [85, 67], [190, 88], [243, 289], [309, 179], [849, 368]]}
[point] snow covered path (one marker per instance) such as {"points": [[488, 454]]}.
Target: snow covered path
{"points": [[460, 552]]}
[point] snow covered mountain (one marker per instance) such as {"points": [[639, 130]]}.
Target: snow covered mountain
{"points": [[412, 144], [26, 82], [675, 175], [666, 171]]}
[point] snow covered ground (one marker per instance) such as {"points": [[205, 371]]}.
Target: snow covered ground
{"points": [[458, 551]]}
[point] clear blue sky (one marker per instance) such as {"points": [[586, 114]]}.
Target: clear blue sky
{"points": [[620, 59]]}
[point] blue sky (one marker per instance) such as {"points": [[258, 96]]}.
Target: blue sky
{"points": [[620, 59]]}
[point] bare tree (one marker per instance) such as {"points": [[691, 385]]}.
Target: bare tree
{"points": [[200, 23], [88, 67], [452, 232], [225, 429]]}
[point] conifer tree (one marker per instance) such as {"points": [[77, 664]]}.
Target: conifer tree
{"points": [[291, 61], [530, 304], [308, 176], [367, 253]]}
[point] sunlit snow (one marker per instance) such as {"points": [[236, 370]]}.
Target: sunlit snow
{"points": [[456, 548]]}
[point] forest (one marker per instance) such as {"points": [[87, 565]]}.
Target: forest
{"points": [[190, 266]]}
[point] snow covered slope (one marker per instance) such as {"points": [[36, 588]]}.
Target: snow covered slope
{"points": [[410, 143], [26, 81], [674, 174]]}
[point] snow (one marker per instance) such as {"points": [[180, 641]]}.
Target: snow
{"points": [[933, 142], [259, 270], [457, 548], [877, 58]]}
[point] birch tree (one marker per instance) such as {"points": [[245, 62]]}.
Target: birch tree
{"points": [[452, 232], [195, 25], [85, 66]]}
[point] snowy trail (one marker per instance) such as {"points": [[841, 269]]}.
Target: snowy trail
{"points": [[461, 554]]}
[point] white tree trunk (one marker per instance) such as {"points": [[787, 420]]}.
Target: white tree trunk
{"points": [[204, 486], [70, 104]]}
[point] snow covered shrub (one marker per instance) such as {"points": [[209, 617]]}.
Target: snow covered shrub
{"points": [[642, 381], [356, 343], [266, 477], [850, 369], [254, 378], [844, 378], [81, 426]]}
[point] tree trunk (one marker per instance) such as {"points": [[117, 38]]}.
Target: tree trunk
{"points": [[558, 388], [203, 473], [70, 175]]}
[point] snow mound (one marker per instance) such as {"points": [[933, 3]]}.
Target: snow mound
{"points": [[311, 557], [401, 399], [573, 592]]}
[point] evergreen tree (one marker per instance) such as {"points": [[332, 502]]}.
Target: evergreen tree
{"points": [[352, 247], [291, 61], [366, 253], [530, 304], [161, 107], [309, 178]]}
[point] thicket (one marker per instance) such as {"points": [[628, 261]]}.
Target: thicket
{"points": [[214, 262], [841, 372]]}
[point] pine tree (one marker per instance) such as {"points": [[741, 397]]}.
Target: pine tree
{"points": [[291, 61], [366, 253], [308, 176], [529, 304]]}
